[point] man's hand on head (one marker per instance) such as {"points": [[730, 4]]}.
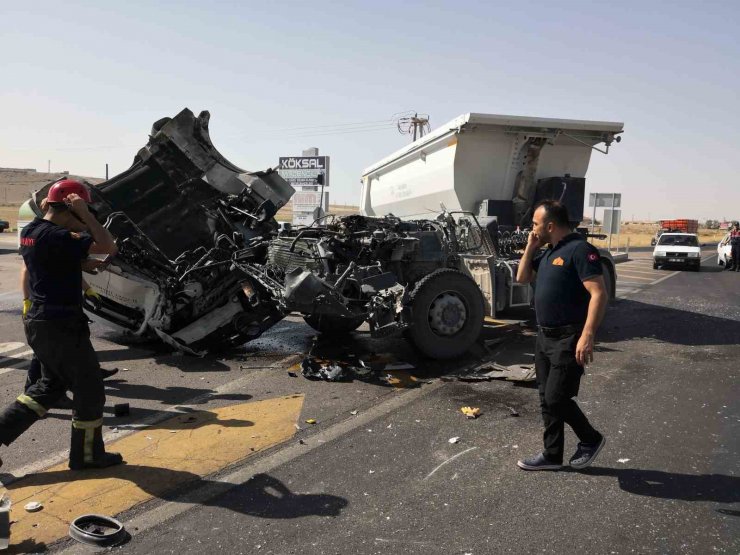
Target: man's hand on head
{"points": [[77, 205]]}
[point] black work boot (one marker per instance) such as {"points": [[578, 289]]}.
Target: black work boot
{"points": [[87, 449]]}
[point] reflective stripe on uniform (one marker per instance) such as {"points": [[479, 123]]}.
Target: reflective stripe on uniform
{"points": [[87, 424], [31, 404]]}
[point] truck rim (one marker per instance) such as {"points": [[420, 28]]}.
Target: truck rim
{"points": [[447, 314]]}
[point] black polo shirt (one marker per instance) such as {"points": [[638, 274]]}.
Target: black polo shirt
{"points": [[53, 257], [560, 299]]}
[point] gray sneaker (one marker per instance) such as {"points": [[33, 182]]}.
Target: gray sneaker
{"points": [[538, 462], [586, 454]]}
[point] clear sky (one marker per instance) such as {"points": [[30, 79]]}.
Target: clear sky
{"points": [[82, 82]]}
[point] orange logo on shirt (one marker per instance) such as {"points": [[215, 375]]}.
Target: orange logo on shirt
{"points": [[558, 262]]}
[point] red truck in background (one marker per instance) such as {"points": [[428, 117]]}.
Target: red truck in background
{"points": [[675, 226]]}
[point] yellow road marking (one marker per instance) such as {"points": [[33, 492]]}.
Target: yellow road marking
{"points": [[159, 459]]}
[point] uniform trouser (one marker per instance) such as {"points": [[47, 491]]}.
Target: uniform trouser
{"points": [[558, 380], [68, 361], [735, 250]]}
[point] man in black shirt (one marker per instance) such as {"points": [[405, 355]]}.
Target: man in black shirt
{"points": [[570, 301], [53, 248]]}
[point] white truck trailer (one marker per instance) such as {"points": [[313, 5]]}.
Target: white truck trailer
{"points": [[496, 167]]}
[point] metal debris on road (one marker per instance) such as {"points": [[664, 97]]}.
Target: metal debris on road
{"points": [[97, 530], [471, 412]]}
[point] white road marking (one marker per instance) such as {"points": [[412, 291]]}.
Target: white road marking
{"points": [[13, 346], [633, 287], [630, 276], [18, 365]]}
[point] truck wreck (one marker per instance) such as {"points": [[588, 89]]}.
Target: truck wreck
{"points": [[204, 265]]}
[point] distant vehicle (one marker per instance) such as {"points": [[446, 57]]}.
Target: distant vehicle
{"points": [[678, 249], [4, 225], [724, 252]]}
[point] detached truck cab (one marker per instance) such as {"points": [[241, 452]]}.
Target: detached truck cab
{"points": [[498, 168]]}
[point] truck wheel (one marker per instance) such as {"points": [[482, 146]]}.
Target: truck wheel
{"points": [[337, 325], [447, 314]]}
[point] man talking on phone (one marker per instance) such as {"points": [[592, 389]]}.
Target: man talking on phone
{"points": [[53, 249], [570, 302]]}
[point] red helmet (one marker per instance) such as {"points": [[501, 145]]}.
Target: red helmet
{"points": [[62, 189]]}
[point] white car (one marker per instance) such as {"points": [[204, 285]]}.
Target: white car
{"points": [[681, 249], [724, 251]]}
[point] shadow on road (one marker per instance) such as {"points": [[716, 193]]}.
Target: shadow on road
{"points": [[634, 320], [261, 496], [669, 485]]}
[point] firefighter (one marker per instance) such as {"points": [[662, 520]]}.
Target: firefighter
{"points": [[56, 329], [34, 370]]}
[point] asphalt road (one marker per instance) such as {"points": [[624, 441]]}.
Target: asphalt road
{"points": [[377, 474]]}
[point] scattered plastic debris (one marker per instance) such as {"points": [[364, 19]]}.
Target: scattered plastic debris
{"points": [[471, 412], [311, 421], [623, 461], [33, 506], [513, 411], [353, 412], [453, 440]]}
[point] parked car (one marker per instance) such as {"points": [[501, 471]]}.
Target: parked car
{"points": [[678, 249], [724, 252], [4, 225]]}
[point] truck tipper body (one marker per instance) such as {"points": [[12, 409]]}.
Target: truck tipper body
{"points": [[496, 167]]}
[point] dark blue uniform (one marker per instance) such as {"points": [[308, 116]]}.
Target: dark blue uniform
{"points": [[561, 305], [57, 331]]}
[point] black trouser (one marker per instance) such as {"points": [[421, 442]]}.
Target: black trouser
{"points": [[735, 249], [68, 361], [558, 379]]}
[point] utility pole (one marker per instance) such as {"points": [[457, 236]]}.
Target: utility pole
{"points": [[416, 125], [48, 166]]}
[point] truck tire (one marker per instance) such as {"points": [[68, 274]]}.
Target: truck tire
{"points": [[447, 314], [336, 325]]}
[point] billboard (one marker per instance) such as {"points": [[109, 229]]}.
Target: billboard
{"points": [[304, 171]]}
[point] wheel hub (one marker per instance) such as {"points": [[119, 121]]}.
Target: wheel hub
{"points": [[447, 314]]}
